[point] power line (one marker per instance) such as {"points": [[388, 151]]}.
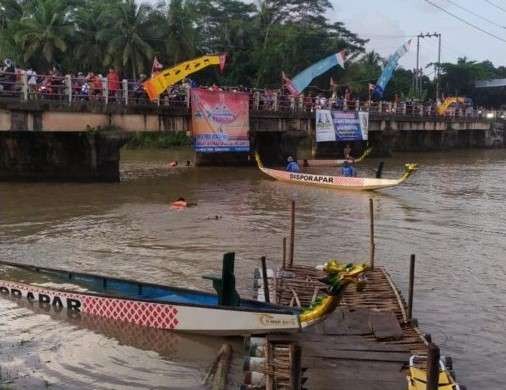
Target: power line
{"points": [[475, 14], [495, 5], [466, 22]]}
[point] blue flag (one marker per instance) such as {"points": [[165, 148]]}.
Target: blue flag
{"points": [[304, 78], [387, 73]]}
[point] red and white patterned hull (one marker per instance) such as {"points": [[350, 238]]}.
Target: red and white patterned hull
{"points": [[176, 317]]}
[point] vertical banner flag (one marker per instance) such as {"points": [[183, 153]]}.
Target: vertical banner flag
{"points": [[386, 75], [341, 125], [304, 78], [220, 121], [156, 67]]}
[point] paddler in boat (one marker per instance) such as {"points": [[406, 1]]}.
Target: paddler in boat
{"points": [[292, 165], [347, 169], [347, 152]]}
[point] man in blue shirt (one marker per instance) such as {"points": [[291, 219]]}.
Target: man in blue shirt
{"points": [[292, 165], [348, 170]]}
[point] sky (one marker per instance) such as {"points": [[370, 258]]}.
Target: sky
{"points": [[389, 23]]}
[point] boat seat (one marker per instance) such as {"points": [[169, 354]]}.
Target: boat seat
{"points": [[225, 286]]}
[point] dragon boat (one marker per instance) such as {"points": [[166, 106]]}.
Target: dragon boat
{"points": [[332, 163], [336, 182], [147, 304]]}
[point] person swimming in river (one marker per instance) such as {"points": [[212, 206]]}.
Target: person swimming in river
{"points": [[348, 170], [181, 203], [174, 164], [292, 166]]}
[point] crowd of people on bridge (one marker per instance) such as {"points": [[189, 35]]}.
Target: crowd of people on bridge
{"points": [[111, 87]]}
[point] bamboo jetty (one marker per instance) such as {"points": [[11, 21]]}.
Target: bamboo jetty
{"points": [[366, 343]]}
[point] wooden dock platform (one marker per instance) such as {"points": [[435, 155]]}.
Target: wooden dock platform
{"points": [[365, 344]]}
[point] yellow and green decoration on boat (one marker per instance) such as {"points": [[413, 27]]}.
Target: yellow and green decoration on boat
{"points": [[339, 275]]}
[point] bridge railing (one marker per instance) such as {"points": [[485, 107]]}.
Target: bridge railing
{"points": [[76, 90]]}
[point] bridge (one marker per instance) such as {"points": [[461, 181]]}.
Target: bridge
{"points": [[65, 139]]}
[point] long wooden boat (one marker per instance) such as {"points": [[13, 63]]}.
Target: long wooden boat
{"points": [[337, 182], [331, 163], [145, 304]]}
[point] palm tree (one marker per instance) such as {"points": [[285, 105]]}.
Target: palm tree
{"points": [[128, 31], [11, 12], [90, 47], [178, 33], [43, 33]]}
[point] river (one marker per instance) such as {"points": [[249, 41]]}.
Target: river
{"points": [[450, 214]]}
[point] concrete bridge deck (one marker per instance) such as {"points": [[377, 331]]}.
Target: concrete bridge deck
{"points": [[54, 135]]}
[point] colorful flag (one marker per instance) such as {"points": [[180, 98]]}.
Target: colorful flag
{"points": [[157, 67], [157, 84], [388, 71], [304, 78]]}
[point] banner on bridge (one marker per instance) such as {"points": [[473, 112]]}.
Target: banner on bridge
{"points": [[220, 121], [341, 125]]}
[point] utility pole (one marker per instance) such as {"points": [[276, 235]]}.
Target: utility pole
{"points": [[418, 73], [438, 68]]}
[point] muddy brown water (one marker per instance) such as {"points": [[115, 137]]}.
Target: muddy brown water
{"points": [[451, 214]]}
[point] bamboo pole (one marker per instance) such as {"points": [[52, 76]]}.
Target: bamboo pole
{"points": [[221, 373], [371, 233], [284, 252], [295, 366], [292, 233], [265, 281], [411, 286], [433, 367]]}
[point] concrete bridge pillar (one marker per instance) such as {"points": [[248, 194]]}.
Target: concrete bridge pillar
{"points": [[60, 156]]}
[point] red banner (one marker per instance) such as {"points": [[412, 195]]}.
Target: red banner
{"points": [[220, 121]]}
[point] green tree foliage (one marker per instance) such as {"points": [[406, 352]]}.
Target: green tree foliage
{"points": [[458, 79], [42, 33], [129, 34], [262, 39]]}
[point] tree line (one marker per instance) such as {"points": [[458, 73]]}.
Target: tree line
{"points": [[261, 38]]}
